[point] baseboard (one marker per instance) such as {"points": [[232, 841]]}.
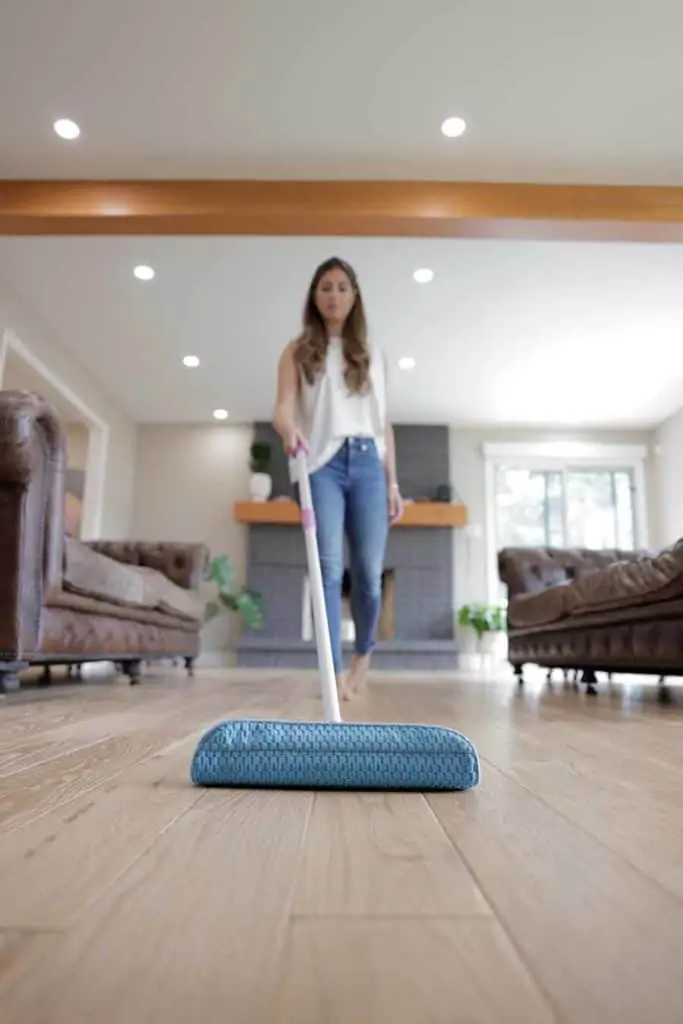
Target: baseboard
{"points": [[217, 659]]}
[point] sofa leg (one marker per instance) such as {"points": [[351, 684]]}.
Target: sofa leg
{"points": [[9, 675], [46, 678], [589, 678], [133, 670], [663, 692], [189, 665], [519, 672]]}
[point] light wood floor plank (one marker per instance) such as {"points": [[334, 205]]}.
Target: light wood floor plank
{"points": [[193, 932], [55, 867], [431, 971], [381, 855], [56, 779], [626, 820], [29, 794], [605, 941], [551, 889], [16, 947]]}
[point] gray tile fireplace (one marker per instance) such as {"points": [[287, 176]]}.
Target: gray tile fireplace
{"points": [[417, 624]]}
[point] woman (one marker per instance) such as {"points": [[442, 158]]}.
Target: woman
{"points": [[331, 398]]}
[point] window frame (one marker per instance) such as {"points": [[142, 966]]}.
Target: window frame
{"points": [[560, 456]]}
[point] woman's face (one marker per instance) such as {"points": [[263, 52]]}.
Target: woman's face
{"points": [[334, 297]]}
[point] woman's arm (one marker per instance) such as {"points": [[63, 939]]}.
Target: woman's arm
{"points": [[284, 418], [390, 457], [396, 505]]}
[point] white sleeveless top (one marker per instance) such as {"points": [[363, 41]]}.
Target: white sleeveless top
{"points": [[327, 413]]}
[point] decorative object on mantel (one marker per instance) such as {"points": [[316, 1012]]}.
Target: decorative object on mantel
{"points": [[260, 481], [417, 514], [242, 600], [444, 493]]}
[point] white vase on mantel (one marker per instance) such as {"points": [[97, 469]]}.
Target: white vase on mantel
{"points": [[260, 486]]}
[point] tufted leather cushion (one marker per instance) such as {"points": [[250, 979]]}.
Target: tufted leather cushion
{"points": [[626, 583], [92, 574], [96, 606], [528, 570], [183, 563], [544, 606]]}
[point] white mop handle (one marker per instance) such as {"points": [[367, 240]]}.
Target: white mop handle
{"points": [[328, 683]]}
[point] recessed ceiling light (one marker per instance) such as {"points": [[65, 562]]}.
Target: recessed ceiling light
{"points": [[453, 127], [66, 129], [406, 363], [191, 362], [144, 273], [220, 414], [424, 275]]}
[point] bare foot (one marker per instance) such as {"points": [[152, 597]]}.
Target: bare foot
{"points": [[360, 663], [343, 690]]}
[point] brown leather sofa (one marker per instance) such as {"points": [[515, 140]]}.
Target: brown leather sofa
{"points": [[591, 611], [66, 602]]}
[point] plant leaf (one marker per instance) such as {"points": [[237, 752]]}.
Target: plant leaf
{"points": [[211, 610], [222, 572], [229, 601]]}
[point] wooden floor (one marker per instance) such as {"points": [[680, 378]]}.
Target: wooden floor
{"points": [[554, 892]]}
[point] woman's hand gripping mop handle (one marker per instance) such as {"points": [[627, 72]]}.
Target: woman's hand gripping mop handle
{"points": [[328, 682]]}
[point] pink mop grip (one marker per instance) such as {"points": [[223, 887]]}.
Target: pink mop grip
{"points": [[307, 512], [308, 518]]}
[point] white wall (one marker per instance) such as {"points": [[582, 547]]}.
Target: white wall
{"points": [[120, 467], [468, 480], [186, 481], [77, 443], [669, 479]]}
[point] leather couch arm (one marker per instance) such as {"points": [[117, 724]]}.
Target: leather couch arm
{"points": [[184, 564], [32, 470]]}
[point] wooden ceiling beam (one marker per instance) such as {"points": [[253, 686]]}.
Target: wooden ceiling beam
{"points": [[429, 209]]}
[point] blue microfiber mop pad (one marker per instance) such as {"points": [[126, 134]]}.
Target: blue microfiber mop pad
{"points": [[280, 754]]}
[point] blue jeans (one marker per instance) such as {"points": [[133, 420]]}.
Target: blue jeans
{"points": [[350, 497]]}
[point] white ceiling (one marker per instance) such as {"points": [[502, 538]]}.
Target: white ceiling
{"points": [[508, 331], [553, 90]]}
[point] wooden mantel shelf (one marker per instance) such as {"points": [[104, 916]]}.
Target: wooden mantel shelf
{"points": [[284, 512]]}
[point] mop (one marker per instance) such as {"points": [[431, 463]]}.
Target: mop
{"points": [[284, 754]]}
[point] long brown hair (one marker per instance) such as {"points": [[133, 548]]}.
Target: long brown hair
{"points": [[311, 345]]}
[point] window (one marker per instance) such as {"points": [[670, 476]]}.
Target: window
{"points": [[575, 508], [578, 496]]}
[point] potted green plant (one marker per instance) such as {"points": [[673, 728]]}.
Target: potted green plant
{"points": [[260, 481], [488, 621], [240, 600]]}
